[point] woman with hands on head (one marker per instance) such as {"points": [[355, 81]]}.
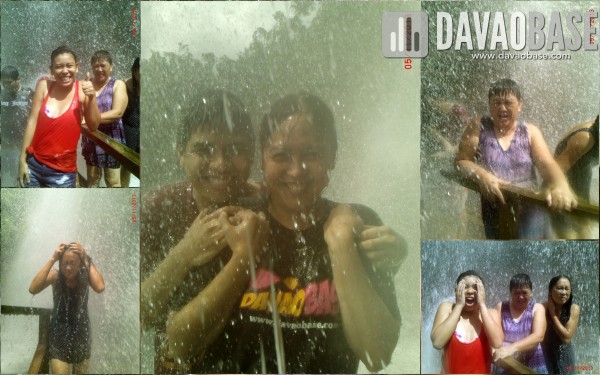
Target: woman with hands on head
{"points": [[524, 324], [502, 149], [49, 151], [562, 317], [467, 330], [69, 338], [334, 307]]}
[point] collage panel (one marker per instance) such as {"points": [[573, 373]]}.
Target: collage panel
{"points": [[474, 84], [530, 289], [287, 127], [231, 69], [70, 281], [64, 63]]}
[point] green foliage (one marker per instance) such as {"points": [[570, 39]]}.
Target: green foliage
{"points": [[331, 57]]}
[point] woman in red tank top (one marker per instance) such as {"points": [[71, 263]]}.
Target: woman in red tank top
{"points": [[49, 151], [466, 329]]}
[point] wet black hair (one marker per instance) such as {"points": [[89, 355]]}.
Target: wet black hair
{"points": [[520, 280], [565, 313], [214, 110], [62, 293], [10, 72], [307, 104], [134, 67], [59, 51], [468, 273], [101, 55], [504, 87], [70, 249]]}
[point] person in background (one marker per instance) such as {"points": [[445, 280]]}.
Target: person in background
{"points": [[467, 330], [131, 117], [49, 151], [69, 337], [524, 325], [562, 317], [111, 95], [577, 155], [503, 149], [16, 103]]}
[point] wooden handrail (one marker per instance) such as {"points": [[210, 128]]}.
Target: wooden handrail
{"points": [[583, 206], [124, 155]]}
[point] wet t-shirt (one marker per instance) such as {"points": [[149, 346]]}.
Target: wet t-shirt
{"points": [[14, 112], [312, 337], [168, 214]]}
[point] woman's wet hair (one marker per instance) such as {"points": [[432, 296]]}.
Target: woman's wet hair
{"points": [[134, 67], [315, 110], [214, 110], [565, 313], [69, 248], [520, 280], [466, 274], [102, 55], [504, 87], [59, 51]]}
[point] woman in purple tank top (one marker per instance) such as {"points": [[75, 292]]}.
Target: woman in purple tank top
{"points": [[111, 95], [500, 150], [524, 325]]}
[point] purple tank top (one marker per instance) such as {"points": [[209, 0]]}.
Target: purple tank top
{"points": [[513, 332], [514, 164]]}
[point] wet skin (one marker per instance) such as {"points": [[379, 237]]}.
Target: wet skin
{"points": [[218, 165]]}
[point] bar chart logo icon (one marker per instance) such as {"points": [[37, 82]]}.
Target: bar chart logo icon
{"points": [[404, 34]]}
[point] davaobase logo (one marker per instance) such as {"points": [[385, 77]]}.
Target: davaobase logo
{"points": [[406, 34]]}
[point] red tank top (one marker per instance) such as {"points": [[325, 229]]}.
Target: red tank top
{"points": [[55, 140], [471, 358]]}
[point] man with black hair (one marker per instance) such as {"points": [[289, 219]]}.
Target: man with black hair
{"points": [[16, 103]]}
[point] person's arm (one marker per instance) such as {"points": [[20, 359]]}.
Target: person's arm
{"points": [[370, 328], [385, 248], [490, 318], [447, 317], [577, 146], [119, 104], [96, 279], [538, 329], [203, 240], [489, 185], [558, 193], [197, 324], [38, 98], [91, 113], [567, 330], [47, 275]]}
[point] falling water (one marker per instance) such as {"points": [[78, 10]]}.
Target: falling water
{"points": [[496, 262], [31, 30], [34, 222], [263, 51], [557, 95]]}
